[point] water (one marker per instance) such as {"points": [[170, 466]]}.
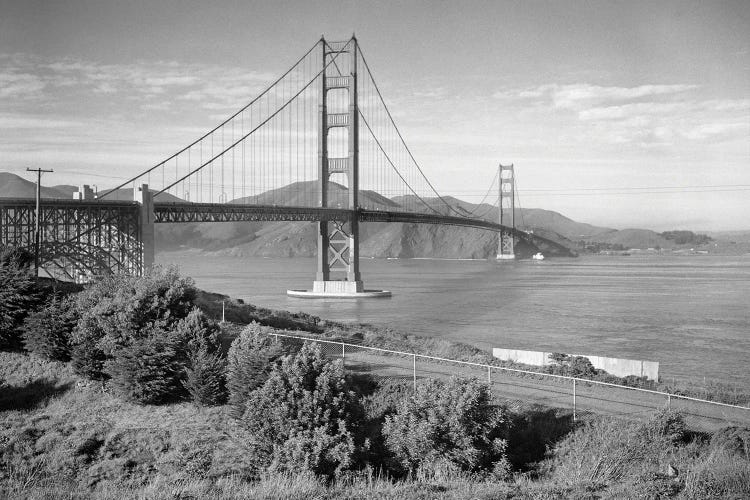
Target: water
{"points": [[690, 313]]}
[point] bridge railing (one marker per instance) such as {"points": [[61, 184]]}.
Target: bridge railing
{"points": [[583, 398]]}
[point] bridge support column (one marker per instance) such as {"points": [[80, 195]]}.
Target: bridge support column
{"points": [[338, 241], [146, 232], [506, 215]]}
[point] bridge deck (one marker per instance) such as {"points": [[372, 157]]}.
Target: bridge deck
{"points": [[186, 212]]}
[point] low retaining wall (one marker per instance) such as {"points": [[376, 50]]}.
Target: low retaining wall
{"points": [[615, 366]]}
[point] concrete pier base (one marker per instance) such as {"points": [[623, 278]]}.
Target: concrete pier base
{"points": [[506, 256], [338, 290]]}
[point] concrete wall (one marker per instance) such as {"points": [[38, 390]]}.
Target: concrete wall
{"points": [[615, 366]]}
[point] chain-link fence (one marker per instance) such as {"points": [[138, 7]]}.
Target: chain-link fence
{"points": [[522, 388]]}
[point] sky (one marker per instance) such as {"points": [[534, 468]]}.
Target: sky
{"points": [[616, 113]]}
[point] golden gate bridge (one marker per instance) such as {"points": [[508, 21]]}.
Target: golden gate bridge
{"points": [[318, 144]]}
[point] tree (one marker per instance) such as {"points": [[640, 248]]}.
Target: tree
{"points": [[47, 332], [249, 363], [146, 371], [194, 333], [303, 417], [120, 309], [454, 422], [18, 295], [88, 360], [205, 378]]}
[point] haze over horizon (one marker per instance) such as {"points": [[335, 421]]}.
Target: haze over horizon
{"points": [[620, 114]]}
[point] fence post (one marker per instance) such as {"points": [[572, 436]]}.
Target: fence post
{"points": [[414, 368], [669, 401], [343, 355], [276, 337], [489, 375], [574, 400]]}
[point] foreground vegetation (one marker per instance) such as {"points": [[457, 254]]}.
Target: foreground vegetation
{"points": [[64, 437], [129, 389]]}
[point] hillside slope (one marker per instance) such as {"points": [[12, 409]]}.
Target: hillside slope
{"points": [[289, 239]]}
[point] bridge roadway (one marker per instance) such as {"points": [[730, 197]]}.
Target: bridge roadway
{"points": [[175, 212], [184, 212]]}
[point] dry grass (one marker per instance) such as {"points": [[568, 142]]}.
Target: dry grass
{"points": [[77, 440]]}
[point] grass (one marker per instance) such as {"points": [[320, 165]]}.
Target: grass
{"points": [[73, 439]]}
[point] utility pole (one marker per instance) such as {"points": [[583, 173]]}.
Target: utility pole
{"points": [[37, 234]]}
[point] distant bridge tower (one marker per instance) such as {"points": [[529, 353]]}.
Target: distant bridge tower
{"points": [[507, 209]]}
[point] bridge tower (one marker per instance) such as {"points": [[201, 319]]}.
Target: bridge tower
{"points": [[338, 241], [507, 209]]}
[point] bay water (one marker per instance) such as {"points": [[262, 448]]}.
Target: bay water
{"points": [[689, 313]]}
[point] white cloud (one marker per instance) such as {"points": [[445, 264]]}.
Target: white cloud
{"points": [[24, 121], [578, 95], [15, 85]]}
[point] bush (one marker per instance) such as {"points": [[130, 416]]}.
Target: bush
{"points": [[735, 440], [667, 424], [607, 450], [205, 378], [88, 360], [303, 417], [453, 422], [146, 372], [249, 363], [18, 296], [195, 333], [120, 309], [46, 332], [122, 317]]}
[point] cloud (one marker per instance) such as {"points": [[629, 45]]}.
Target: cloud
{"points": [[15, 85], [719, 130], [23, 121], [578, 95]]}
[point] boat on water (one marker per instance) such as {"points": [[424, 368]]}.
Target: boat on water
{"points": [[538, 256]]}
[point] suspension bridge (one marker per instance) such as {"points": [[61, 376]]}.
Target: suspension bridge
{"points": [[318, 144]]}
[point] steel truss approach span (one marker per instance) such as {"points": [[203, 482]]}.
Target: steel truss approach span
{"points": [[79, 239], [318, 144]]}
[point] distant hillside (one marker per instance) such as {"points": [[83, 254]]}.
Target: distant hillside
{"points": [[290, 239], [13, 186]]}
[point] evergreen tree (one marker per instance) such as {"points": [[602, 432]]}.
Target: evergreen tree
{"points": [[18, 295], [194, 333], [88, 360], [116, 310], [47, 332], [249, 362], [205, 378], [146, 371]]}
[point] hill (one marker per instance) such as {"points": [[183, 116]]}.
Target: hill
{"points": [[13, 186], [290, 239]]}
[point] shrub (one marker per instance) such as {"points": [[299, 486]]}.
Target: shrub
{"points": [[451, 421], [205, 378], [249, 363], [88, 360], [120, 309], [386, 399], [122, 315], [16, 257], [146, 372], [194, 333], [667, 424], [46, 332], [732, 439], [18, 296], [303, 417], [606, 450]]}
